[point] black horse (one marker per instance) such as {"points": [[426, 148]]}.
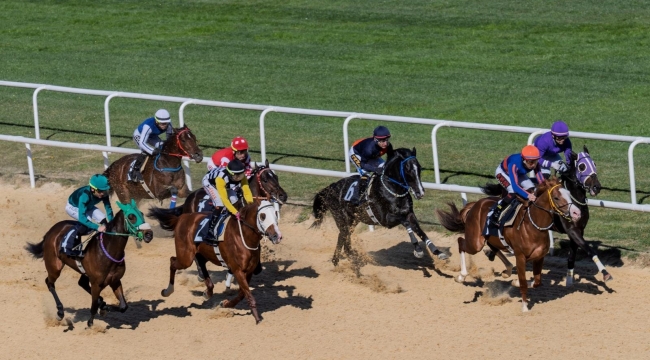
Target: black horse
{"points": [[580, 178], [388, 203]]}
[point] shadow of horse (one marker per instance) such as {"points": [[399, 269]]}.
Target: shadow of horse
{"points": [[400, 256], [608, 255]]}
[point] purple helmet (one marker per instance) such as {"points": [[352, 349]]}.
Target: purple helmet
{"points": [[560, 128]]}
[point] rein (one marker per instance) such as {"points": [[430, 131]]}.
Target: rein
{"points": [[554, 210], [404, 185], [259, 231], [180, 146]]}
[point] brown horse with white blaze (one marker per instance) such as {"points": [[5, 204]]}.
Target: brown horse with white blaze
{"points": [[240, 248], [528, 237], [163, 174]]}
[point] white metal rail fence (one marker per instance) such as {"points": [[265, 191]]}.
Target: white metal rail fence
{"points": [[348, 116]]}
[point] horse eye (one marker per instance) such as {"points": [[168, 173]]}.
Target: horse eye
{"points": [[263, 216], [582, 167]]}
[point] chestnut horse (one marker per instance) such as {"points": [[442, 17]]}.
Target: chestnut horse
{"points": [[240, 248], [527, 237], [103, 263], [580, 178], [163, 174]]}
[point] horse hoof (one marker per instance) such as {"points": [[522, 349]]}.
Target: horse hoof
{"points": [[89, 324], [101, 312], [59, 315], [607, 277], [569, 281], [418, 254], [200, 278], [460, 279], [442, 256], [206, 295]]}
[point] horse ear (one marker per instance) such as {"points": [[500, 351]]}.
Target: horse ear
{"points": [[574, 156], [584, 147], [413, 151], [266, 163], [389, 151], [133, 203]]}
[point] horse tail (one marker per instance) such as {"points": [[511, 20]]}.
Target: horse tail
{"points": [[492, 189], [318, 209], [36, 249], [168, 218], [452, 220]]}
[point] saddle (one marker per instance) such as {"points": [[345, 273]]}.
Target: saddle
{"points": [[355, 191], [506, 219]]}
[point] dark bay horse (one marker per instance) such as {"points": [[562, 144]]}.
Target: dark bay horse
{"points": [[388, 204], [240, 249], [163, 174], [264, 184], [580, 178], [527, 238], [103, 264]]}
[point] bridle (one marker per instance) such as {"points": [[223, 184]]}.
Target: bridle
{"points": [[260, 230], [268, 196], [403, 184], [180, 146], [555, 210], [576, 181]]}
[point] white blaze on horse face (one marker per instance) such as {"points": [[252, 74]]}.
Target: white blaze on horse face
{"points": [[417, 179], [270, 218], [574, 211]]}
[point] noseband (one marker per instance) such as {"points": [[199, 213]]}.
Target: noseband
{"points": [[403, 184], [260, 227], [554, 210]]}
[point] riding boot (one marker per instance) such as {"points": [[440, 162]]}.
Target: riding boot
{"points": [[135, 174], [218, 216], [494, 219]]}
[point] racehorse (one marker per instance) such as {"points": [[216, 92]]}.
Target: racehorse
{"points": [[240, 249], [527, 238], [164, 178], [580, 178], [103, 263], [388, 203], [263, 182]]}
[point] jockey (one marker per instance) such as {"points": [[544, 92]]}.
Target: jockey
{"points": [[147, 137], [551, 144], [366, 156], [81, 207], [238, 150], [223, 185], [512, 175]]}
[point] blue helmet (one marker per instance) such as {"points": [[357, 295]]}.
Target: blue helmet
{"points": [[560, 128], [381, 132]]}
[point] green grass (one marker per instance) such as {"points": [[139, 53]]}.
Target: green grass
{"points": [[498, 62]]}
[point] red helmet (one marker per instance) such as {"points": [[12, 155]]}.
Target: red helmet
{"points": [[530, 152], [239, 144]]}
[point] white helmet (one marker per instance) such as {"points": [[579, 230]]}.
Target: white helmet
{"points": [[162, 116]]}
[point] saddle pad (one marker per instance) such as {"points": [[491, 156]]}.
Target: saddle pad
{"points": [[203, 229], [219, 257], [205, 204]]}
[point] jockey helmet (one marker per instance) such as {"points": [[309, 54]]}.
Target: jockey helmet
{"points": [[530, 152], [162, 116], [560, 129], [239, 144], [235, 167], [99, 182], [381, 132]]}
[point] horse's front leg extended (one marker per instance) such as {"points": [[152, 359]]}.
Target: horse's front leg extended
{"points": [[95, 290], [59, 305], [119, 294], [523, 285], [84, 283], [415, 225], [577, 239]]}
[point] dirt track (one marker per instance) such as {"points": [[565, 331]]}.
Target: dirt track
{"points": [[402, 307]]}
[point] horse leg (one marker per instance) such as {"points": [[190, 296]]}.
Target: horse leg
{"points": [[183, 261], [84, 283], [508, 272], [239, 275], [463, 266], [537, 272], [577, 237], [119, 294], [339, 245], [413, 221], [50, 286], [523, 285], [95, 290], [571, 261], [244, 291], [201, 263], [172, 276]]}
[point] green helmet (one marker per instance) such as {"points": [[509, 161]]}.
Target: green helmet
{"points": [[99, 182]]}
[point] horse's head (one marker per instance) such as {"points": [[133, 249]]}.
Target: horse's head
{"points": [[558, 198], [268, 183], [404, 169], [187, 144], [134, 222], [267, 221], [585, 172]]}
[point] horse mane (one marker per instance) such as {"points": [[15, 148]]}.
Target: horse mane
{"points": [[174, 135], [399, 153], [549, 183], [115, 225]]}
